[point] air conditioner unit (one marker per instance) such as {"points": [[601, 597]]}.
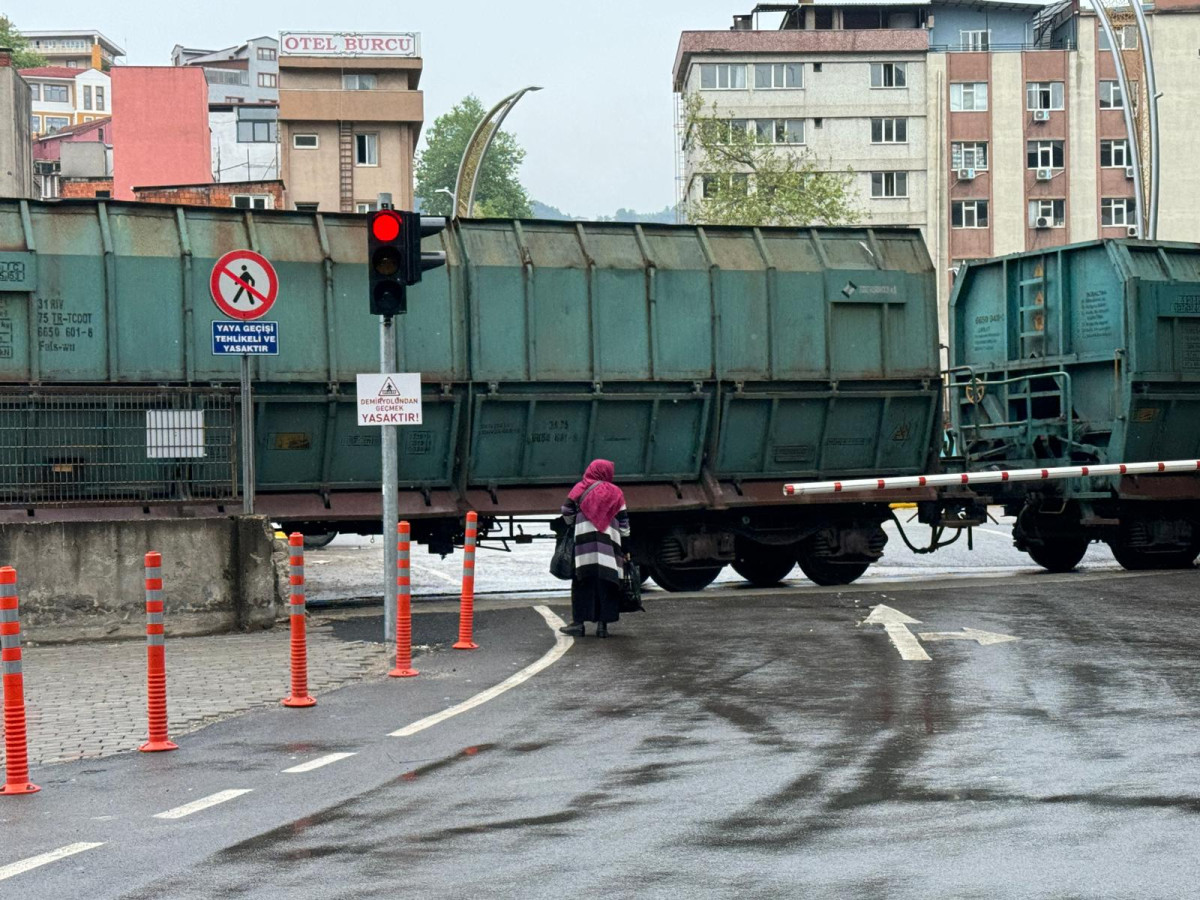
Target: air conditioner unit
{"points": [[966, 174], [1129, 172], [1132, 231], [1041, 115], [1045, 174], [1041, 222]]}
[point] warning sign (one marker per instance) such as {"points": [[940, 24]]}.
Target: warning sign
{"points": [[243, 285], [389, 399]]}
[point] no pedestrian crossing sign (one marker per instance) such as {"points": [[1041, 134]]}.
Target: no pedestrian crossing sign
{"points": [[258, 338], [244, 285], [389, 399]]}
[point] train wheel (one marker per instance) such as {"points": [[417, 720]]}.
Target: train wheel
{"points": [[317, 541], [763, 565], [1058, 554], [827, 572], [671, 578], [1139, 559]]}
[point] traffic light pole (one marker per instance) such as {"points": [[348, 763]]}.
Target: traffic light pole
{"points": [[391, 473]]}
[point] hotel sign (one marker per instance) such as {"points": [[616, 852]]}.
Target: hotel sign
{"points": [[344, 43]]}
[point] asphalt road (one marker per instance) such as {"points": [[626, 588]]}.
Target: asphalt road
{"points": [[757, 744]]}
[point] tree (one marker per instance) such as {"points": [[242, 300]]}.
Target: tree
{"points": [[749, 179], [498, 191], [23, 57]]}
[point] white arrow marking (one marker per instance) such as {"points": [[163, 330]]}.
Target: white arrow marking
{"points": [[896, 623], [968, 634]]}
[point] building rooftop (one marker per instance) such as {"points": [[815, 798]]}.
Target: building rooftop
{"points": [[51, 72], [113, 47], [76, 129]]}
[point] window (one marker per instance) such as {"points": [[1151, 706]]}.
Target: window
{"points": [[103, 195], [1127, 38], [306, 207], [817, 67], [267, 79], [1110, 94], [89, 118], [888, 75], [716, 77], [55, 93], [35, 90], [227, 76], [823, 18], [1044, 95], [35, 124], [779, 131], [1044, 154], [969, 155], [55, 123], [99, 98], [970, 96], [359, 81], [974, 40], [1114, 154], [266, 53], [256, 132], [87, 96], [366, 149], [889, 131], [969, 214], [778, 75], [1118, 211], [229, 99], [889, 184], [252, 201], [364, 206], [738, 185], [1047, 213], [305, 141]]}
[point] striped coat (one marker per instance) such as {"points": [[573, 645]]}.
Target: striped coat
{"points": [[596, 551]]}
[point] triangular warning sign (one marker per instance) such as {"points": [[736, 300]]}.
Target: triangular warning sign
{"points": [[389, 389]]}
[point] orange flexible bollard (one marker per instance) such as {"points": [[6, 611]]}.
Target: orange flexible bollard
{"points": [[156, 660], [297, 608], [16, 742], [404, 667], [466, 613]]}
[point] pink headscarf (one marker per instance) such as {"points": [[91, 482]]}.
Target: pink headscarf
{"points": [[601, 505]]}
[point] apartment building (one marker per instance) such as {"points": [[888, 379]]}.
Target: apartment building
{"points": [[86, 49], [16, 162], [244, 73], [350, 115], [1013, 136], [61, 97]]}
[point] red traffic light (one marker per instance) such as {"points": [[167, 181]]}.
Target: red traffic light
{"points": [[385, 226]]}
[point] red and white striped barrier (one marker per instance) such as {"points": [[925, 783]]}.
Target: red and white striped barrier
{"points": [[918, 481]]}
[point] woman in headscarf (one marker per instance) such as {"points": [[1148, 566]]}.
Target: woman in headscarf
{"points": [[596, 509]]}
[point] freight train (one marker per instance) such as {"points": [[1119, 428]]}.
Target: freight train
{"points": [[709, 363]]}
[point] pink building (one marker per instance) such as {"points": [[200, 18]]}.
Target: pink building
{"points": [[160, 128], [50, 147]]}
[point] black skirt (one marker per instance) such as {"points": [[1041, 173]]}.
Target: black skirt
{"points": [[595, 600]]}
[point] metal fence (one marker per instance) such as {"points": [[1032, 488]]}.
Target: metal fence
{"points": [[73, 446]]}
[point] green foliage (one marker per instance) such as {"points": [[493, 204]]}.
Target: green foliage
{"points": [[498, 194], [755, 183], [23, 57]]}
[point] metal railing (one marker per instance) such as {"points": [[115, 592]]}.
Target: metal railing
{"points": [[77, 446], [1061, 44]]}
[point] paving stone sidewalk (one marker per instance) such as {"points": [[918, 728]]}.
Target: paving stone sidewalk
{"points": [[89, 699]]}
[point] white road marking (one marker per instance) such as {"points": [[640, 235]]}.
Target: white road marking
{"points": [[203, 803], [896, 623], [42, 859], [450, 578], [317, 763], [968, 634], [562, 643]]}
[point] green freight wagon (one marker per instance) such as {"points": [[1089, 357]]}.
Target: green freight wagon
{"points": [[709, 364], [1085, 354]]}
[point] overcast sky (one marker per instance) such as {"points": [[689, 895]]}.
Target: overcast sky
{"points": [[598, 137]]}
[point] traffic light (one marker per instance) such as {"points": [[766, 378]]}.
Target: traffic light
{"points": [[388, 248], [429, 259]]}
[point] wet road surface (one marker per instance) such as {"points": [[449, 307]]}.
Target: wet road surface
{"points": [[765, 748]]}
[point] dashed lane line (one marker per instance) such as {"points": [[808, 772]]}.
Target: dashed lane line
{"points": [[203, 803], [42, 859], [562, 643], [317, 763]]}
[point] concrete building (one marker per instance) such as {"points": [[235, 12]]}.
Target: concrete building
{"points": [[244, 73], [245, 141], [81, 151], [350, 114], [62, 97], [1014, 131], [75, 49], [160, 129], [16, 162]]}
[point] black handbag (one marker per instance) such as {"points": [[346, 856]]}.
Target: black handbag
{"points": [[631, 590]]}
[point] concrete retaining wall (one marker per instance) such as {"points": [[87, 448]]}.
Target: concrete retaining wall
{"points": [[84, 580]]}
